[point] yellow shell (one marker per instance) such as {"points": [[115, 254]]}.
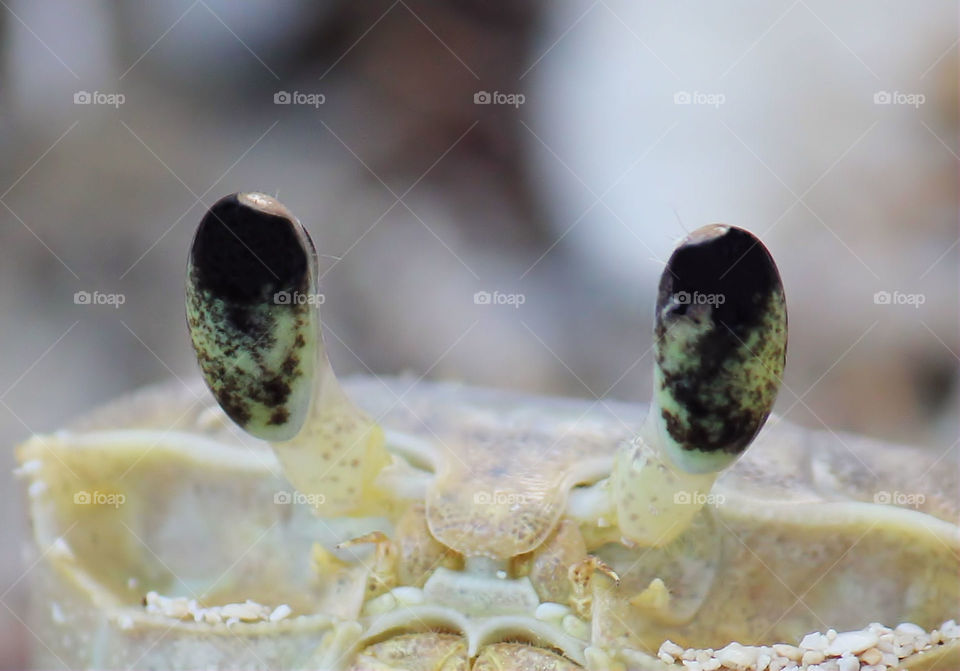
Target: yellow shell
{"points": [[158, 496]]}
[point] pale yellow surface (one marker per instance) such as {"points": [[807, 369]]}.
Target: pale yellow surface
{"points": [[796, 546]]}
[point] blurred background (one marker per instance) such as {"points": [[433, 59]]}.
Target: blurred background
{"points": [[549, 154]]}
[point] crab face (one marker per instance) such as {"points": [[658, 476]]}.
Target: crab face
{"points": [[400, 525]]}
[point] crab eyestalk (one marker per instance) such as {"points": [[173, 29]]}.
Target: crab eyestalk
{"points": [[721, 339], [251, 300]]}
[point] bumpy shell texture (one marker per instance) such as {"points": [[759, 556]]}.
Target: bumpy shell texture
{"points": [[797, 544]]}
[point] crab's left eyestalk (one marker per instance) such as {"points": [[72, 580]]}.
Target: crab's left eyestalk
{"points": [[721, 338], [251, 299]]}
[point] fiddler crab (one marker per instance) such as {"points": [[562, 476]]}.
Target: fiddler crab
{"points": [[393, 524]]}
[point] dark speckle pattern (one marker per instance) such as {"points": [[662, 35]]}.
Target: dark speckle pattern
{"points": [[255, 351], [721, 340]]}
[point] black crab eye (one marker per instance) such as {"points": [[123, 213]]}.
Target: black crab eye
{"points": [[721, 340], [250, 268]]}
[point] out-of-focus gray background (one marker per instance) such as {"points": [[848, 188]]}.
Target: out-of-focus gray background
{"points": [[553, 151]]}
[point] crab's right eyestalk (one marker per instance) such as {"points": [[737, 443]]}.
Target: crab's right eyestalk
{"points": [[721, 339], [252, 313]]}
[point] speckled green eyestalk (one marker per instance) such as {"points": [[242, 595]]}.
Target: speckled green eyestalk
{"points": [[252, 312], [721, 341], [721, 338], [250, 262]]}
